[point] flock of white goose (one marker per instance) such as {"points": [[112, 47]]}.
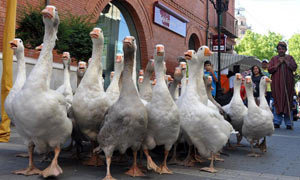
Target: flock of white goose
{"points": [[125, 116]]}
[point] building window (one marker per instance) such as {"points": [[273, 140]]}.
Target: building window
{"points": [[194, 42], [116, 23]]}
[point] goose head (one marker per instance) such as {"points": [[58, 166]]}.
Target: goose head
{"points": [[190, 57], [50, 16], [178, 75], [112, 75], [264, 81], [119, 62], [97, 36], [208, 82], [17, 45], [203, 52], [248, 84], [81, 68], [159, 52], [150, 66], [183, 65], [238, 79], [66, 59], [141, 79], [129, 45]]}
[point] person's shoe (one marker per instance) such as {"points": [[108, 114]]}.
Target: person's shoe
{"points": [[289, 127], [276, 126]]}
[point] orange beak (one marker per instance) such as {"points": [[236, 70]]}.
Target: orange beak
{"points": [[119, 58], [82, 65], [112, 74], [13, 44], [238, 76], [160, 49], [95, 33], [268, 80], [141, 72], [248, 80], [66, 55], [169, 78], [39, 48], [177, 70], [141, 79], [128, 40], [48, 12], [207, 52], [183, 65], [188, 55]]}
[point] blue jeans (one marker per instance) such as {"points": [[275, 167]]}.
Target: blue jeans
{"points": [[279, 117]]}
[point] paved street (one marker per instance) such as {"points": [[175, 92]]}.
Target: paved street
{"points": [[282, 161]]}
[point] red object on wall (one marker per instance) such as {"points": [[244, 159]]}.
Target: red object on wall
{"points": [[222, 43]]}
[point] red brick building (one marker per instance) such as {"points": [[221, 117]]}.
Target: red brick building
{"points": [[177, 24]]}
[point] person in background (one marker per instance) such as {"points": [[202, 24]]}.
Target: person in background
{"points": [[265, 65], [282, 68], [209, 71], [256, 76], [243, 92], [231, 77]]}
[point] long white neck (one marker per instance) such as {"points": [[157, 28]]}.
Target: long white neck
{"points": [[21, 76], [128, 86], [115, 81], [191, 88], [134, 71], [183, 82], [263, 102], [174, 90], [91, 75], [200, 83], [159, 72], [237, 88], [67, 82], [250, 97], [39, 76]]}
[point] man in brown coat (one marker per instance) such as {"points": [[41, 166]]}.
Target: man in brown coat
{"points": [[282, 67]]}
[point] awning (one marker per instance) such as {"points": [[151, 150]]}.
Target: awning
{"points": [[229, 60]]}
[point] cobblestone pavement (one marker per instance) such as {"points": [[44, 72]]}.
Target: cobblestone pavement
{"points": [[282, 161]]}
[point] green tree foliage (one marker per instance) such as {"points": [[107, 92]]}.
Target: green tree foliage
{"points": [[261, 46], [73, 32], [294, 50]]}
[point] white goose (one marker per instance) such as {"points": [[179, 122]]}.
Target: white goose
{"points": [[258, 122], [125, 124], [205, 127], [113, 90], [236, 108], [66, 88], [163, 115], [90, 102], [18, 48], [43, 122]]}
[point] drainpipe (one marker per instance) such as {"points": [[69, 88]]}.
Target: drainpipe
{"points": [[47, 2], [207, 20]]}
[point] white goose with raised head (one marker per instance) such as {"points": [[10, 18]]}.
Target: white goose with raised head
{"points": [[90, 102], [163, 115], [43, 122], [125, 124]]}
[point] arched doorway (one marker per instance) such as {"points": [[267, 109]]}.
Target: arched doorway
{"points": [[194, 42], [116, 23]]}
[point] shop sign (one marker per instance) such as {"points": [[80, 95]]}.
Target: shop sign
{"points": [[222, 43], [168, 20]]}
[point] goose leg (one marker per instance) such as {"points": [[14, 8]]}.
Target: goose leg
{"points": [[217, 157], [31, 170], [108, 175], [239, 138], [252, 154], [174, 160], [211, 168], [189, 161], [53, 169], [263, 145], [134, 170], [150, 163], [94, 160], [163, 169], [197, 157]]}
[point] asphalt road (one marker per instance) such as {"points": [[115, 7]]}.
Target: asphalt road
{"points": [[282, 161]]}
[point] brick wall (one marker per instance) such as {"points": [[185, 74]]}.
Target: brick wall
{"points": [[142, 13]]}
